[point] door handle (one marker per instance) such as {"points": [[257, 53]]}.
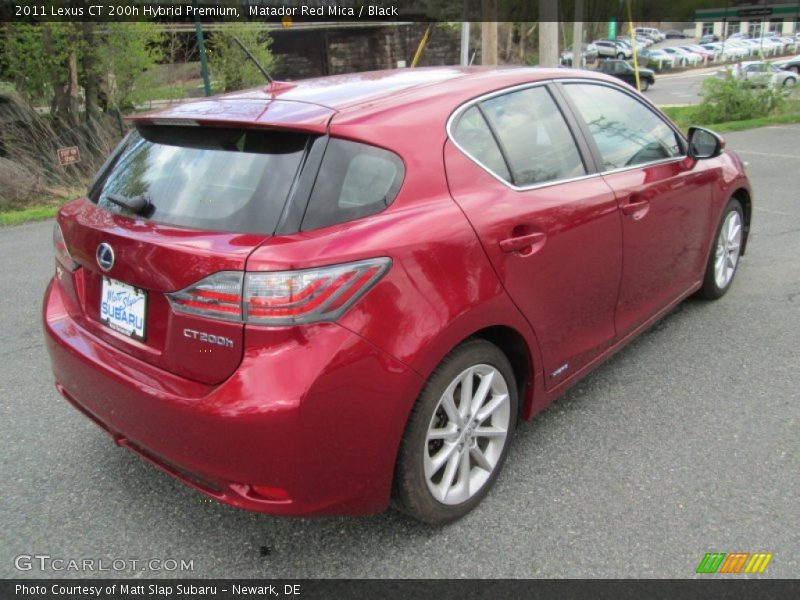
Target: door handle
{"points": [[525, 244], [636, 209]]}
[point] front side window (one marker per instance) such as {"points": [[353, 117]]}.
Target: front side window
{"points": [[626, 132]]}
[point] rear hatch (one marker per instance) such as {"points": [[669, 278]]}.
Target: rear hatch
{"points": [[176, 205]]}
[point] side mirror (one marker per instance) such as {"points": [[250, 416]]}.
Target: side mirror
{"points": [[704, 143]]}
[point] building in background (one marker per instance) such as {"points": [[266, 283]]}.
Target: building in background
{"points": [[752, 19]]}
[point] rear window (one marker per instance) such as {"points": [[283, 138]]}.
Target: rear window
{"points": [[216, 179], [354, 180]]}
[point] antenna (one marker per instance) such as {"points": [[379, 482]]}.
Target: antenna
{"points": [[255, 62]]}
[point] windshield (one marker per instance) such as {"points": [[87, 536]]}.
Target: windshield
{"points": [[216, 179]]}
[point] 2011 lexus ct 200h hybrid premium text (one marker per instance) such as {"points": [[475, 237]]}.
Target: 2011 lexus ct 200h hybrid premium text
{"points": [[323, 296]]}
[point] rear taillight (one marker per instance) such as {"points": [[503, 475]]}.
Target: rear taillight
{"points": [[218, 296], [281, 297], [60, 247]]}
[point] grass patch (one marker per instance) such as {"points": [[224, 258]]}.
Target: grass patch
{"points": [[23, 215], [684, 116], [46, 208]]}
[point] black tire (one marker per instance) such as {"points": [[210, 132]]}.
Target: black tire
{"points": [[789, 82], [645, 84], [710, 290], [621, 56], [411, 493]]}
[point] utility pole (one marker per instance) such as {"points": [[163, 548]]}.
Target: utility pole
{"points": [[577, 36], [634, 46], [489, 32], [464, 43], [548, 33]]}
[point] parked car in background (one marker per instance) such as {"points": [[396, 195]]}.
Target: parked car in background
{"points": [[291, 304], [790, 44], [727, 51], [709, 38], [626, 43], [743, 44], [760, 73], [588, 55], [788, 64], [612, 49], [650, 32], [674, 34], [622, 69], [684, 57], [704, 53], [657, 59], [641, 42]]}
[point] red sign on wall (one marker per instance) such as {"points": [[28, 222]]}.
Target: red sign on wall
{"points": [[68, 156]]}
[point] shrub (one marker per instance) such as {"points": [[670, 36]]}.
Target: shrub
{"points": [[29, 171], [729, 99]]}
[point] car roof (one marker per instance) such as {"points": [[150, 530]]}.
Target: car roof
{"points": [[415, 95]]}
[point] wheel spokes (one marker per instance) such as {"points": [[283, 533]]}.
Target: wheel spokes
{"points": [[480, 459], [467, 434], [490, 407], [483, 391]]}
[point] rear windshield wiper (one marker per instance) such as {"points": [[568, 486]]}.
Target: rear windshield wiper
{"points": [[136, 204]]}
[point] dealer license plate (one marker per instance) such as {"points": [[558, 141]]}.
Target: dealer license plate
{"points": [[123, 308]]}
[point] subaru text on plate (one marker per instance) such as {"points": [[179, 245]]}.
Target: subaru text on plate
{"points": [[324, 295]]}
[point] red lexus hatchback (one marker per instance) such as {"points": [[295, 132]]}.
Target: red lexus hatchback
{"points": [[323, 295]]}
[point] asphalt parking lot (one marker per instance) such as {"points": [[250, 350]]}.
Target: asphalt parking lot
{"points": [[679, 88], [684, 443]]}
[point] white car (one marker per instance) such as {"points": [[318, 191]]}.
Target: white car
{"points": [[684, 56], [746, 48], [761, 74], [703, 52], [612, 49], [650, 32], [728, 51]]}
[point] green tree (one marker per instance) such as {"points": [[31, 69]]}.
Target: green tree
{"points": [[49, 62], [129, 51], [230, 65]]}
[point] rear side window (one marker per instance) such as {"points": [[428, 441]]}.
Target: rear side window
{"points": [[354, 180], [473, 134], [216, 179], [527, 142]]}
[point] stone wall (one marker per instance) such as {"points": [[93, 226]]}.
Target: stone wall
{"points": [[315, 52]]}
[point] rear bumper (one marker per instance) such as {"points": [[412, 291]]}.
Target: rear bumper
{"points": [[314, 413]]}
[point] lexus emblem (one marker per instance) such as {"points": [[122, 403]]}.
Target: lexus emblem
{"points": [[105, 256]]}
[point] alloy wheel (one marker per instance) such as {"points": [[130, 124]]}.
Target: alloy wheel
{"points": [[467, 434], [729, 243]]}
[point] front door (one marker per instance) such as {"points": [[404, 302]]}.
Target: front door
{"points": [[665, 199]]}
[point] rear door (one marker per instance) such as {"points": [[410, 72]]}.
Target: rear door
{"points": [[212, 195], [664, 197], [550, 228]]}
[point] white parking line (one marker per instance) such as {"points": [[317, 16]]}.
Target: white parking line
{"points": [[767, 154]]}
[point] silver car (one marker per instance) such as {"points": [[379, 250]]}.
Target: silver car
{"points": [[761, 74]]}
